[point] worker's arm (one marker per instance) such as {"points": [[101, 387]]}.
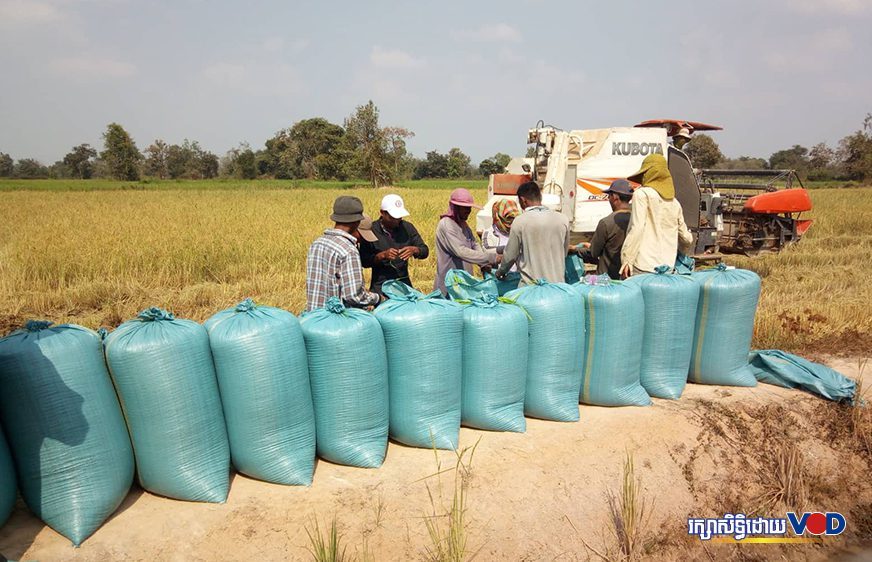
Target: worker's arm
{"points": [[417, 247], [454, 242], [685, 238], [351, 278], [633, 241], [592, 253], [511, 251]]}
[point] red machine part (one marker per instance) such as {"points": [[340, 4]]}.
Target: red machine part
{"points": [[802, 226], [508, 184], [784, 201], [672, 126]]}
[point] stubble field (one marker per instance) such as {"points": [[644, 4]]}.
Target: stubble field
{"points": [[98, 257]]}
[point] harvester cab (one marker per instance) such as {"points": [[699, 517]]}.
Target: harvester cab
{"points": [[574, 167]]}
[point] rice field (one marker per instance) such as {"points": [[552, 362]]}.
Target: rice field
{"points": [[98, 256]]}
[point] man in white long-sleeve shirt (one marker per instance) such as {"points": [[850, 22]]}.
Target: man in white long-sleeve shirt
{"points": [[657, 230]]}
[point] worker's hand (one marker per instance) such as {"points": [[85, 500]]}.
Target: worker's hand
{"points": [[407, 252], [585, 245], [625, 271], [387, 255], [499, 259]]}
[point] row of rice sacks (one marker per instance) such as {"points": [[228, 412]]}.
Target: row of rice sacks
{"points": [[256, 385]]}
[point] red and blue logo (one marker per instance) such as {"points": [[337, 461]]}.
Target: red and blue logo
{"points": [[816, 523]]}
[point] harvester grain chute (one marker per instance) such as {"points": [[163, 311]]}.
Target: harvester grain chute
{"points": [[727, 211]]}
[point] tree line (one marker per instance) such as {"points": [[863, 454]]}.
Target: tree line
{"points": [[851, 159], [361, 148]]}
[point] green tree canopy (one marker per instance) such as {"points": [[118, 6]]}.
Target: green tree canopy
{"points": [[793, 158], [434, 165], [80, 161], [496, 164], [703, 151], [30, 168], [120, 153], [856, 152], [743, 163], [377, 152], [190, 161], [156, 159], [311, 148], [458, 164], [7, 165]]}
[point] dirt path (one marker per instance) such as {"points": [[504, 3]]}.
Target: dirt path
{"points": [[531, 496]]}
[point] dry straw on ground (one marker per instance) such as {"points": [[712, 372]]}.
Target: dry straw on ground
{"points": [[97, 258]]}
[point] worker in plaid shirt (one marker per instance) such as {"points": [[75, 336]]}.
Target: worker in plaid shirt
{"points": [[333, 264]]}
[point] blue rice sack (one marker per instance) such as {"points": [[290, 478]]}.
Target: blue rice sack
{"points": [[462, 285], [724, 326], [67, 436], [263, 375], [786, 370], [424, 341], [494, 364], [612, 358], [162, 368], [507, 284], [556, 338], [8, 490], [348, 371], [574, 269], [670, 316]]}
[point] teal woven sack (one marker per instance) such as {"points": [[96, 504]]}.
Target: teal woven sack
{"points": [[494, 364], [724, 326], [462, 285], [163, 371], [8, 491], [424, 342], [263, 375], [670, 315], [786, 370], [556, 338], [66, 433], [612, 358], [574, 269], [507, 284], [348, 371]]}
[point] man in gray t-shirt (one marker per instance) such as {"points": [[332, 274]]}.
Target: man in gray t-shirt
{"points": [[538, 241]]}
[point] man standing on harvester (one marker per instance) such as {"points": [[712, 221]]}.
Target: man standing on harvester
{"points": [[604, 249], [538, 241], [333, 263], [396, 242]]}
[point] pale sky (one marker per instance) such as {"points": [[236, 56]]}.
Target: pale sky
{"points": [[475, 75]]}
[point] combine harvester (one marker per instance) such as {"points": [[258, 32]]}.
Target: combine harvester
{"points": [[731, 211]]}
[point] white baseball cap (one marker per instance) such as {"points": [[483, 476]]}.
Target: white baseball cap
{"points": [[393, 204]]}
